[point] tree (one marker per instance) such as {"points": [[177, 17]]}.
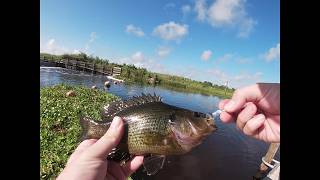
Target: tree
{"points": [[206, 83]]}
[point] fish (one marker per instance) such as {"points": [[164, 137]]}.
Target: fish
{"points": [[153, 129]]}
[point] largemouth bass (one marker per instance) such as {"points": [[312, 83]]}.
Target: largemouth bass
{"points": [[152, 128]]}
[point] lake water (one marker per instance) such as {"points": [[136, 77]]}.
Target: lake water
{"points": [[225, 154]]}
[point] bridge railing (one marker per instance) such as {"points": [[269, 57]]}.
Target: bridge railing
{"points": [[76, 64]]}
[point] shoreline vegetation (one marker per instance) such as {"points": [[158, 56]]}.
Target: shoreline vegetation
{"points": [[59, 122], [132, 74]]}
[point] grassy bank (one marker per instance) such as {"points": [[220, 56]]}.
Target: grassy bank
{"points": [[191, 86], [132, 74], [59, 123]]}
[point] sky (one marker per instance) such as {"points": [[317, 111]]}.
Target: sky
{"points": [[221, 41]]}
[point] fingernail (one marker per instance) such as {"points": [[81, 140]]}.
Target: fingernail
{"points": [[260, 117], [116, 122], [229, 105], [93, 140]]}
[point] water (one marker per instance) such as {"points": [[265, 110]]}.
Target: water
{"points": [[226, 154]]}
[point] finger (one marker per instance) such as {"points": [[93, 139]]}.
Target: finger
{"points": [[252, 126], [116, 170], [223, 103], [241, 96], [133, 165], [226, 117], [82, 146], [246, 114], [108, 141]]}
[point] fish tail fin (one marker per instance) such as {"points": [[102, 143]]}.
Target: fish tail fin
{"points": [[92, 129]]}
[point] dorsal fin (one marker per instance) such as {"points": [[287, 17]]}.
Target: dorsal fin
{"points": [[109, 110]]}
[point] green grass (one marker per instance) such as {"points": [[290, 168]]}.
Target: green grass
{"points": [[191, 86], [59, 123]]}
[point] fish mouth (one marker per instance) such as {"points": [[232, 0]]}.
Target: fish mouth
{"points": [[211, 123], [205, 130]]}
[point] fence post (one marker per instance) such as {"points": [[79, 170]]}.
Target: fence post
{"points": [[273, 148], [67, 63], [77, 64]]}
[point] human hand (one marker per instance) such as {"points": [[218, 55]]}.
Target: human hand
{"points": [[256, 109], [88, 162]]}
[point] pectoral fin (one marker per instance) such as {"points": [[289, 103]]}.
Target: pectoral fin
{"points": [[153, 163]]}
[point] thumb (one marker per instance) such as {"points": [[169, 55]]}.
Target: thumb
{"points": [[242, 96], [108, 141]]}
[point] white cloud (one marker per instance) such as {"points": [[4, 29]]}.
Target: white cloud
{"points": [[273, 53], [171, 31], [245, 79], [218, 74], [131, 29], [138, 57], [186, 9], [245, 27], [225, 58], [246, 76], [233, 58], [201, 10], [163, 51], [258, 74], [169, 5], [242, 79], [76, 51], [51, 43], [51, 47], [243, 60], [187, 72], [93, 37], [206, 55], [231, 13], [226, 13]]}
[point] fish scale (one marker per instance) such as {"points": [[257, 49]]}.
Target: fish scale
{"points": [[149, 136], [151, 127]]}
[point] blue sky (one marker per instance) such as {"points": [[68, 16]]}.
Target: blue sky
{"points": [[234, 41]]}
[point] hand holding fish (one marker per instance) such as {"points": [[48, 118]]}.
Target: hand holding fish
{"points": [[89, 162], [152, 129], [256, 110]]}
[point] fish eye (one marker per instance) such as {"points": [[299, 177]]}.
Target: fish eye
{"points": [[172, 117]]}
